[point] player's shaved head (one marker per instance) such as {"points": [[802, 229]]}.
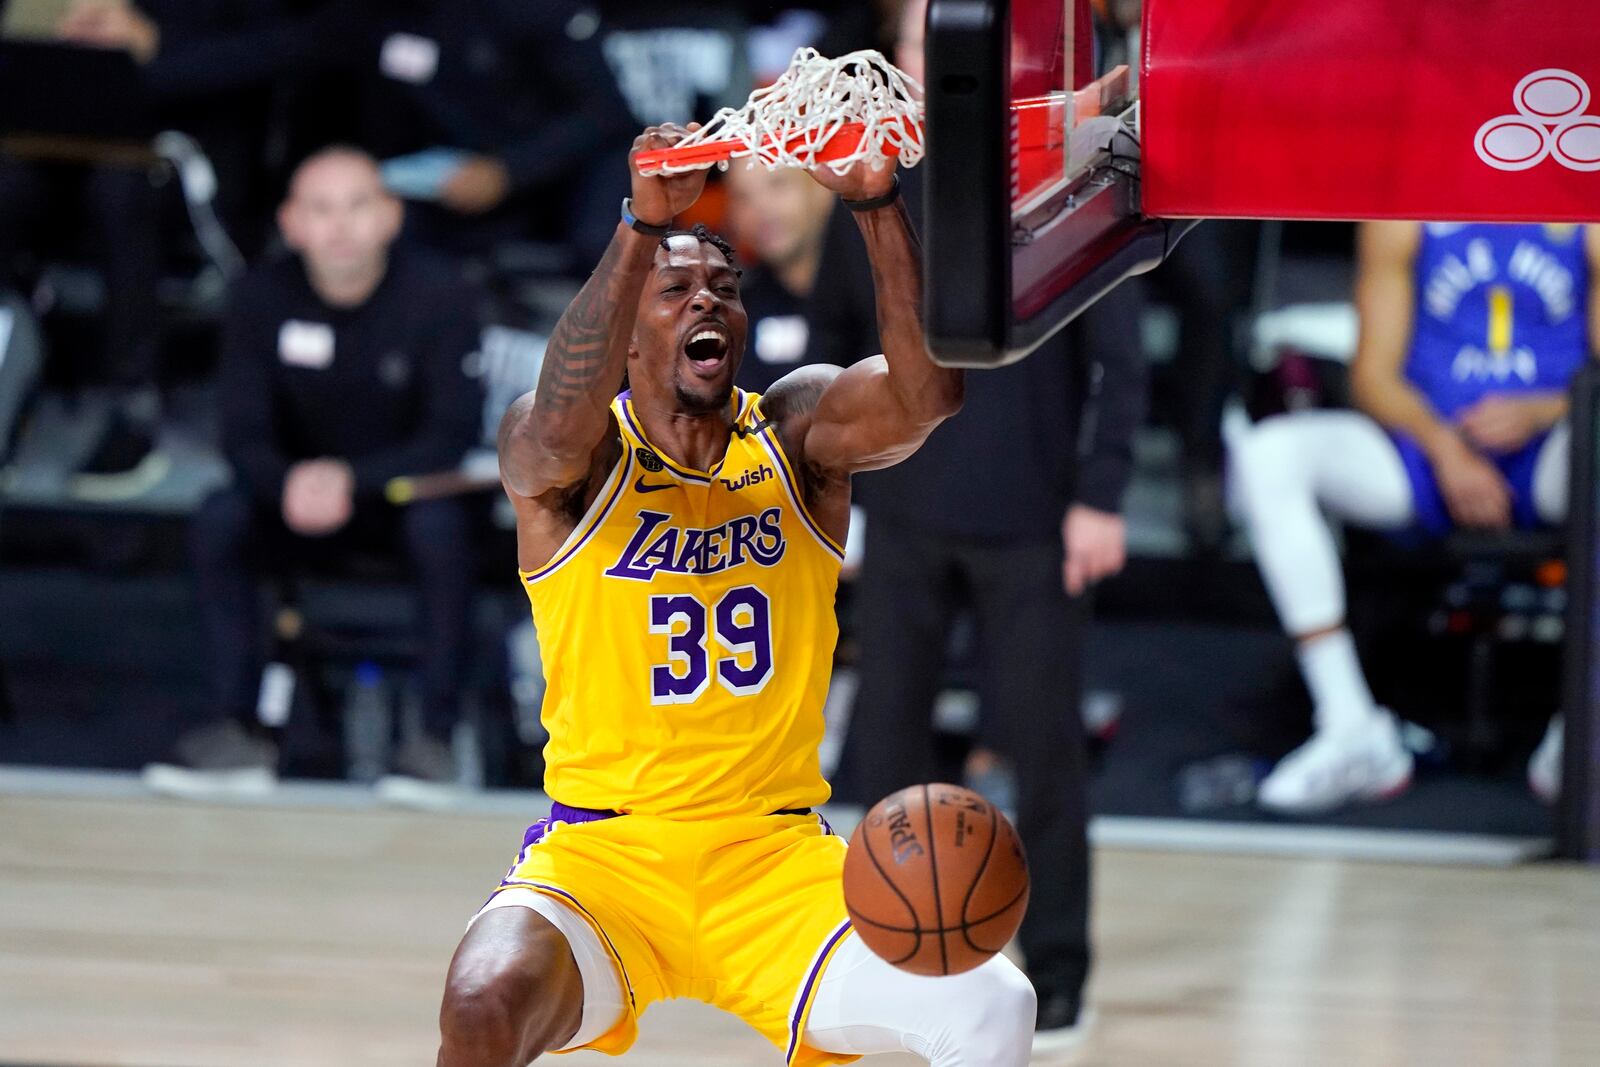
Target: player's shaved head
{"points": [[339, 217]]}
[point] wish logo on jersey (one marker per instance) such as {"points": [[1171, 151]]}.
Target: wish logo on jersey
{"points": [[1498, 311], [657, 547], [753, 476]]}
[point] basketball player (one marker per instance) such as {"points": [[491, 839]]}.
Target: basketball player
{"points": [[680, 546], [1469, 336]]}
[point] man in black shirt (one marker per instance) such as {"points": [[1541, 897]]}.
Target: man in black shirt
{"points": [[1004, 513], [522, 90], [217, 99], [342, 369]]}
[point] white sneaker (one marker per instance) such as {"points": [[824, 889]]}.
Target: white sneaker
{"points": [[186, 783], [403, 791], [1544, 767], [425, 776], [221, 760], [1334, 769]]}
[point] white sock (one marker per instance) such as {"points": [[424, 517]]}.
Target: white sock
{"points": [[1339, 690]]}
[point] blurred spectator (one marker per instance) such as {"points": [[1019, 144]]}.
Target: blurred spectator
{"points": [[205, 64], [343, 368], [679, 62], [516, 110], [211, 66], [997, 515], [118, 205], [1469, 336], [1209, 281], [779, 215]]}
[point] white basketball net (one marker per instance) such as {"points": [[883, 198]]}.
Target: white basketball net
{"points": [[786, 123]]}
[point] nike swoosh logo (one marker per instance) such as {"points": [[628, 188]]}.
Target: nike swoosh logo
{"points": [[645, 487]]}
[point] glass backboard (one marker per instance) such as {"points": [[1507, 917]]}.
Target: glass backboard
{"points": [[1032, 205]]}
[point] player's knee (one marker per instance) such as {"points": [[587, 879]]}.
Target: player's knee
{"points": [[501, 1012], [1269, 464], [994, 1025], [1268, 453], [479, 1023]]}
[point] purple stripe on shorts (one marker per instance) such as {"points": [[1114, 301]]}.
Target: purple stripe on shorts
{"points": [[560, 812], [805, 992]]}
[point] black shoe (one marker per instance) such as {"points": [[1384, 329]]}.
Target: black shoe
{"points": [[123, 465], [1062, 1023]]}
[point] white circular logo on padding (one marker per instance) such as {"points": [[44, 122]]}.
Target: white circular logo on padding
{"points": [[1577, 143], [1512, 142], [1550, 121], [1551, 94]]}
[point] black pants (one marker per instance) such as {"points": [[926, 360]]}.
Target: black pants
{"points": [[233, 538], [118, 210], [913, 583]]}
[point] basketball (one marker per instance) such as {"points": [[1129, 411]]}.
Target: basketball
{"points": [[935, 880]]}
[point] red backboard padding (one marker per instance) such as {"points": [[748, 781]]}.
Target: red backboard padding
{"points": [[1359, 109]]}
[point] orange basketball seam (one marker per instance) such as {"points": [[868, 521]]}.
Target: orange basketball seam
{"points": [[1000, 910], [994, 830], [866, 842], [961, 926], [925, 929], [933, 867], [966, 932], [992, 915]]}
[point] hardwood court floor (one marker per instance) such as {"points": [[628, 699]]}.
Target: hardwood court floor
{"points": [[157, 934]]}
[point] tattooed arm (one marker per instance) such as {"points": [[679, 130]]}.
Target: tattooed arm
{"points": [[879, 411], [549, 437]]}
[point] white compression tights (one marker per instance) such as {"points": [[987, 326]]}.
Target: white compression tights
{"points": [[983, 1018], [1343, 461]]}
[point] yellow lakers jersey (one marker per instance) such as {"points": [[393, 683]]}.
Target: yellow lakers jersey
{"points": [[687, 628]]}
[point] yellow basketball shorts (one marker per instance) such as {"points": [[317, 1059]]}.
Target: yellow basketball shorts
{"points": [[743, 913]]}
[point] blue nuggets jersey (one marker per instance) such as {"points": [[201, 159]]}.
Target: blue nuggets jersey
{"points": [[1500, 309]]}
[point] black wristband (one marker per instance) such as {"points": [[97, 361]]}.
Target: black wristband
{"points": [[878, 201], [646, 228]]}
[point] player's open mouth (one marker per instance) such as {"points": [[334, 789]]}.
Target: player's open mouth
{"points": [[707, 348]]}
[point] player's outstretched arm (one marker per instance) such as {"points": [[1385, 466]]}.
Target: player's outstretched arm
{"points": [[549, 436], [877, 412]]}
